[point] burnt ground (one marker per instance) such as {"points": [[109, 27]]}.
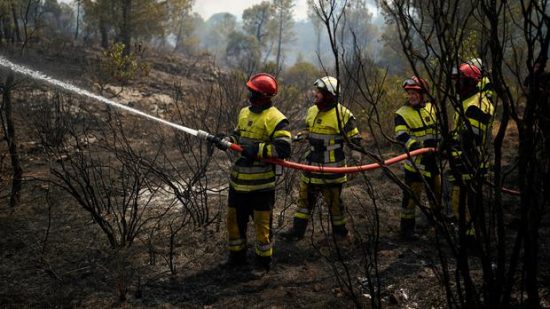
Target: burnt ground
{"points": [[69, 265], [52, 253]]}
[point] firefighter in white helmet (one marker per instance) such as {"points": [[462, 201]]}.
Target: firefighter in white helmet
{"points": [[326, 138]]}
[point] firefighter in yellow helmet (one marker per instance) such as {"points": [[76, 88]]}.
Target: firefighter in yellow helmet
{"points": [[326, 138], [262, 132], [471, 135], [416, 127]]}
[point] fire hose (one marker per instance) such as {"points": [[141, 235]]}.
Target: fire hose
{"points": [[314, 168]]}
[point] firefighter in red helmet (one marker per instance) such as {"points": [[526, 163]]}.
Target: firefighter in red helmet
{"points": [[469, 148], [262, 132], [415, 128]]}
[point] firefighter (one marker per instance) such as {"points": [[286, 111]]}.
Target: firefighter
{"points": [[484, 84], [326, 138], [416, 127], [471, 133], [262, 132]]}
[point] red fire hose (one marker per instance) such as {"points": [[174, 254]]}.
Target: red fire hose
{"points": [[340, 170], [335, 170]]}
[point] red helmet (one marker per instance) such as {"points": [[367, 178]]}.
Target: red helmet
{"points": [[470, 71], [416, 83], [264, 84]]}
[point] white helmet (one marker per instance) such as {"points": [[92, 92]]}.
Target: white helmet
{"points": [[477, 62], [329, 84]]}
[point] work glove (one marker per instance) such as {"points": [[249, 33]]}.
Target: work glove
{"points": [[218, 141], [443, 148], [250, 151], [300, 136]]}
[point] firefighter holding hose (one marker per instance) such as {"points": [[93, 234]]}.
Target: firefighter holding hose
{"points": [[328, 125], [261, 131], [415, 128]]}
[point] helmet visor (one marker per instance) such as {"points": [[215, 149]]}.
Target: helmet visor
{"points": [[410, 82], [320, 84]]}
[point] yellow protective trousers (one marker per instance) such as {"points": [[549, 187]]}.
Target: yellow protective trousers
{"points": [[460, 201], [408, 205], [259, 206], [331, 194]]}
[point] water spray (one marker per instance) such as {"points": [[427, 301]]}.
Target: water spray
{"points": [[72, 88], [199, 133]]}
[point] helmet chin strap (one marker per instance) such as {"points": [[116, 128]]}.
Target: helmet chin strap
{"points": [[420, 103], [467, 88], [260, 101], [257, 99], [326, 103]]}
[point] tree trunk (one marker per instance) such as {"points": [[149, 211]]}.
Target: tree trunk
{"points": [[179, 38], [77, 20], [126, 29], [6, 23], [104, 34], [1, 29], [279, 42], [15, 23], [9, 132]]}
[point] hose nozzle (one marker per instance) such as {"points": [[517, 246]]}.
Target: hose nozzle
{"points": [[219, 142]]}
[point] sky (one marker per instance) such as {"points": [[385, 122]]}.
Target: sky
{"points": [[207, 8]]}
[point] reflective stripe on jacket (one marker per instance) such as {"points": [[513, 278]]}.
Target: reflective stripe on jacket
{"points": [[472, 137], [267, 128], [416, 127], [478, 111], [327, 143]]}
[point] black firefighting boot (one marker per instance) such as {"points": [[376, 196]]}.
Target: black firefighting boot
{"points": [[262, 266], [472, 245], [236, 259], [340, 231], [297, 231], [407, 229], [340, 236]]}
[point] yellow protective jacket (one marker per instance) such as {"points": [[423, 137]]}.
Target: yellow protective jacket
{"points": [[267, 128], [416, 127], [485, 85], [327, 142], [472, 132]]}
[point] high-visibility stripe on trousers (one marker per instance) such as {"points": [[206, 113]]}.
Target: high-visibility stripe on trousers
{"points": [[416, 185], [408, 205], [242, 206], [331, 194]]}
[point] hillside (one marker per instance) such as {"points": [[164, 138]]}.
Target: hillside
{"points": [[55, 254]]}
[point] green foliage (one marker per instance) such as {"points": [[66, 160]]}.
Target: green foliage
{"points": [[302, 75], [145, 20], [391, 54], [269, 67], [217, 30], [377, 119], [243, 51], [359, 30], [117, 67], [258, 21], [469, 46], [284, 25]]}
